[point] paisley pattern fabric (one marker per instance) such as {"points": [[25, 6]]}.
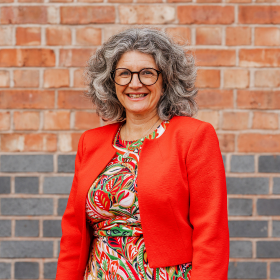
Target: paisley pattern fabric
{"points": [[118, 250]]}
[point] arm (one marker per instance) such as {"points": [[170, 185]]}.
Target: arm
{"points": [[70, 243], [208, 206]]}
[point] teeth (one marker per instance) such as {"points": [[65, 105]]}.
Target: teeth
{"points": [[136, 95]]}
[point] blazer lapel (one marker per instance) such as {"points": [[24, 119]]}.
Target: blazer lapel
{"points": [[99, 151]]}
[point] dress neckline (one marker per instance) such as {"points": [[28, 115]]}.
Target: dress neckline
{"points": [[157, 132]]}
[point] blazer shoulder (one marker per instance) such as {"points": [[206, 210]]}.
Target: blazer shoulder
{"points": [[99, 134], [189, 125]]}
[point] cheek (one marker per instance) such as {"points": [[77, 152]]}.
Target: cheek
{"points": [[157, 91], [159, 87], [119, 90]]}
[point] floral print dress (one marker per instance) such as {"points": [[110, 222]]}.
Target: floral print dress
{"points": [[118, 250]]}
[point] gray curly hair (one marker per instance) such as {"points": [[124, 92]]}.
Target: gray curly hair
{"points": [[175, 61]]}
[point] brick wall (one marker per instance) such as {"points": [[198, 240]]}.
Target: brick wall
{"points": [[44, 46]]}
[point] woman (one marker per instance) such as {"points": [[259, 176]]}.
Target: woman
{"points": [[148, 199]]}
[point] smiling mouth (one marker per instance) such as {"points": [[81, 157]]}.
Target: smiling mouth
{"points": [[138, 95]]}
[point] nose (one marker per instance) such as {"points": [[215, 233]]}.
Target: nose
{"points": [[135, 82]]}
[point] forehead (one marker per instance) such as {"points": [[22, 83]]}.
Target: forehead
{"points": [[135, 60]]}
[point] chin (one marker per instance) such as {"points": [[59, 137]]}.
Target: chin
{"points": [[137, 109], [139, 112]]}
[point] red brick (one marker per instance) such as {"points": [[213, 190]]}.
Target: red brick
{"points": [[26, 78], [208, 1], [209, 116], [40, 142], [27, 57], [12, 142], [180, 35], [50, 142], [205, 14], [26, 99], [267, 36], [154, 1], [112, 30], [137, 14], [208, 78], [54, 14], [73, 99], [262, 120], [60, 1], [236, 78], [75, 57], [215, 99], [11, 57], [26, 120], [38, 57], [125, 1], [30, 1], [227, 142], [215, 57], [6, 1], [4, 78], [179, 1], [254, 99], [56, 120], [237, 36], [87, 14], [267, 78], [68, 142], [79, 81], [259, 14], [208, 36], [6, 36], [24, 14], [259, 57], [266, 1], [90, 1], [88, 36], [65, 142], [28, 36], [56, 78], [5, 120], [75, 140], [235, 120], [19, 142], [238, 1], [86, 120], [58, 35], [258, 143]]}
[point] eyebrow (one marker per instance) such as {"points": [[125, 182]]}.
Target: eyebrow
{"points": [[146, 67]]}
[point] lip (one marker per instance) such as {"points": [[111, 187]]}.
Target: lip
{"points": [[136, 93]]}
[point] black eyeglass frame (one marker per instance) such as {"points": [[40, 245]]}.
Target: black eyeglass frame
{"points": [[138, 73]]}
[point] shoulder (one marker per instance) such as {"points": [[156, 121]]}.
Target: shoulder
{"points": [[190, 126], [96, 136], [188, 133], [102, 129]]}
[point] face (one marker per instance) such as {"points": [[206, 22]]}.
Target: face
{"points": [[135, 61]]}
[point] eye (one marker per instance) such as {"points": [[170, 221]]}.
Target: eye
{"points": [[123, 73], [148, 72]]}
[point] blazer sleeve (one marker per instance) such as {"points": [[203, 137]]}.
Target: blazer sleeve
{"points": [[208, 206], [70, 243]]}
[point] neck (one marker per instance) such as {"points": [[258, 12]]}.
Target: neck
{"points": [[138, 126]]}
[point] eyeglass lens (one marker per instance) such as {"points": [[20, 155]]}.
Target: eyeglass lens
{"points": [[146, 76]]}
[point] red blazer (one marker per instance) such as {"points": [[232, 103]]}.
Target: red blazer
{"points": [[182, 200]]}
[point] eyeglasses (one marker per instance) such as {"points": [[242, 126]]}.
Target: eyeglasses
{"points": [[147, 76]]}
